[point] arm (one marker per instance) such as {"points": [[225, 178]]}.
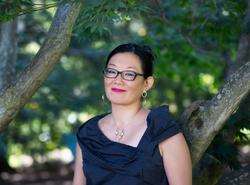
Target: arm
{"points": [[79, 177], [176, 159]]}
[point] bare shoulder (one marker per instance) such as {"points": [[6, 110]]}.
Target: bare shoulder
{"points": [[174, 143]]}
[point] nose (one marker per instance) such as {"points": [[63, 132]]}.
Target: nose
{"points": [[119, 78]]}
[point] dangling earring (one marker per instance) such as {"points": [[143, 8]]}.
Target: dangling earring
{"points": [[103, 98], [144, 96]]}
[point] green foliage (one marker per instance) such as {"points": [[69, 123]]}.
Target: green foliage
{"points": [[13, 8], [97, 16]]}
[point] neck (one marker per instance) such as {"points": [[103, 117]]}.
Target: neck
{"points": [[122, 115]]}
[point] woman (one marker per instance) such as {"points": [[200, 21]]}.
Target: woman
{"points": [[131, 145]]}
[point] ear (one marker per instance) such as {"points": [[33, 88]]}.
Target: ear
{"points": [[148, 83]]}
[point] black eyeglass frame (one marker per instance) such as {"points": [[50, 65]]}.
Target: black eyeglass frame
{"points": [[121, 72]]}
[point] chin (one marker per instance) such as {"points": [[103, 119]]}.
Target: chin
{"points": [[118, 102], [121, 102]]}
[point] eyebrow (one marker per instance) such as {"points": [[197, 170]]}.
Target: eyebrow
{"points": [[130, 67]]}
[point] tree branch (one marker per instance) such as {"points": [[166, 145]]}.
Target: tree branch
{"points": [[244, 43], [14, 97], [238, 177], [8, 50], [207, 171], [210, 116]]}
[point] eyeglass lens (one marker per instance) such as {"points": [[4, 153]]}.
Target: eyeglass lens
{"points": [[126, 75]]}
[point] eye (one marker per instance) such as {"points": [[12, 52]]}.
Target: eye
{"points": [[110, 71], [129, 73]]}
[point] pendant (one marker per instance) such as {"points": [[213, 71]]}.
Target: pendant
{"points": [[119, 133]]}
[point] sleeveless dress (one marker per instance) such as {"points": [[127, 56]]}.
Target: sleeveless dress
{"points": [[107, 162]]}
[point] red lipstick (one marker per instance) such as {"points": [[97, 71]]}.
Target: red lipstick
{"points": [[117, 90]]}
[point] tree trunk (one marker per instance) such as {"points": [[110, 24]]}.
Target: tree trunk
{"points": [[204, 122], [8, 49], [207, 171], [238, 177], [14, 97], [243, 55]]}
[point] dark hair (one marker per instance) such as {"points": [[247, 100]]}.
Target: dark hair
{"points": [[144, 53]]}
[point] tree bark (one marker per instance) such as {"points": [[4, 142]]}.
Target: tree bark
{"points": [[238, 177], [8, 50], [206, 120], [14, 97], [243, 53], [207, 171]]}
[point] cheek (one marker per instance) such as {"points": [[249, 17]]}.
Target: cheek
{"points": [[136, 88], [106, 82]]}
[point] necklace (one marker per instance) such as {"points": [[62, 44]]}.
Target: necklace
{"points": [[119, 133]]}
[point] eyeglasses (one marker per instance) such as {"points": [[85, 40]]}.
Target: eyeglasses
{"points": [[126, 75]]}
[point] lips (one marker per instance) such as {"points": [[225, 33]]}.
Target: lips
{"points": [[117, 90]]}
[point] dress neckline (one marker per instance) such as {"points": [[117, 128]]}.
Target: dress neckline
{"points": [[123, 144]]}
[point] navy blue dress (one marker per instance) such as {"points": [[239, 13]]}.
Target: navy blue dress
{"points": [[107, 162]]}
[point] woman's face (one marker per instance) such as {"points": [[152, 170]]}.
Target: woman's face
{"points": [[120, 91]]}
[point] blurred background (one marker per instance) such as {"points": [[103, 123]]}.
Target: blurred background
{"points": [[193, 42]]}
